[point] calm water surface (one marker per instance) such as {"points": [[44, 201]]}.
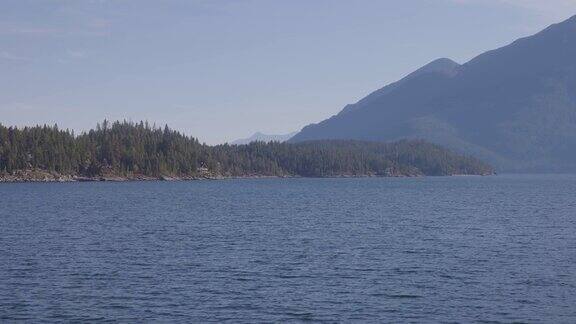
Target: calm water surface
{"points": [[464, 249]]}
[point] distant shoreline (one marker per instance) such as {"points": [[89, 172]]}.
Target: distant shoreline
{"points": [[35, 176], [125, 151]]}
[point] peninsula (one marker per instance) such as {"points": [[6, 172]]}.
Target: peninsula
{"points": [[137, 151]]}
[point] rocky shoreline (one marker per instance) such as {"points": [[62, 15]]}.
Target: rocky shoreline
{"points": [[23, 176], [50, 176]]}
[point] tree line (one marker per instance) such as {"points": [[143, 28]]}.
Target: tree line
{"points": [[130, 149]]}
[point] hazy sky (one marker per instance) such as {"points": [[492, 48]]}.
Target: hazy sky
{"points": [[223, 69]]}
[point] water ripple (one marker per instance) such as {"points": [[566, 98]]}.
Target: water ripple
{"points": [[486, 250]]}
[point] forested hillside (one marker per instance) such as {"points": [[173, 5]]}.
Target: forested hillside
{"points": [[514, 106], [133, 151]]}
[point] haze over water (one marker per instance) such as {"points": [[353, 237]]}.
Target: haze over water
{"points": [[463, 249]]}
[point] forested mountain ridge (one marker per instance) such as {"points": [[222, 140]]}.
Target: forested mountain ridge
{"points": [[514, 106], [124, 150]]}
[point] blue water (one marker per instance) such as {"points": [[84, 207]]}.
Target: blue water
{"points": [[464, 249]]}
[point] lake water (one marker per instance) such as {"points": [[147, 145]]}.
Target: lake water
{"points": [[461, 249]]}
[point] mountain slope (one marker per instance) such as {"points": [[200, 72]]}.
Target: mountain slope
{"points": [[514, 106]]}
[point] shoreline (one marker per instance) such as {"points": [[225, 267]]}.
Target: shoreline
{"points": [[35, 176]]}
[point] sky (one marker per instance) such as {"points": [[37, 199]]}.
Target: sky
{"points": [[220, 70]]}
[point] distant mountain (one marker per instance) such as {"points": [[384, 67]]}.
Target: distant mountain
{"points": [[514, 106], [259, 137]]}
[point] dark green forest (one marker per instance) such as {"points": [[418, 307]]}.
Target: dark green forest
{"points": [[130, 150]]}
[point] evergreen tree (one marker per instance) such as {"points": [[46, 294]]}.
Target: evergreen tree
{"points": [[133, 149]]}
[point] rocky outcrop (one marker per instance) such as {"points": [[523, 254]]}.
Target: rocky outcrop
{"points": [[35, 176], [51, 176]]}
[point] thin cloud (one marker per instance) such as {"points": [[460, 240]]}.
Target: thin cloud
{"points": [[531, 4], [548, 8], [538, 13], [553, 8], [53, 32], [76, 53], [89, 27], [4, 55], [14, 29], [72, 55], [539, 4]]}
